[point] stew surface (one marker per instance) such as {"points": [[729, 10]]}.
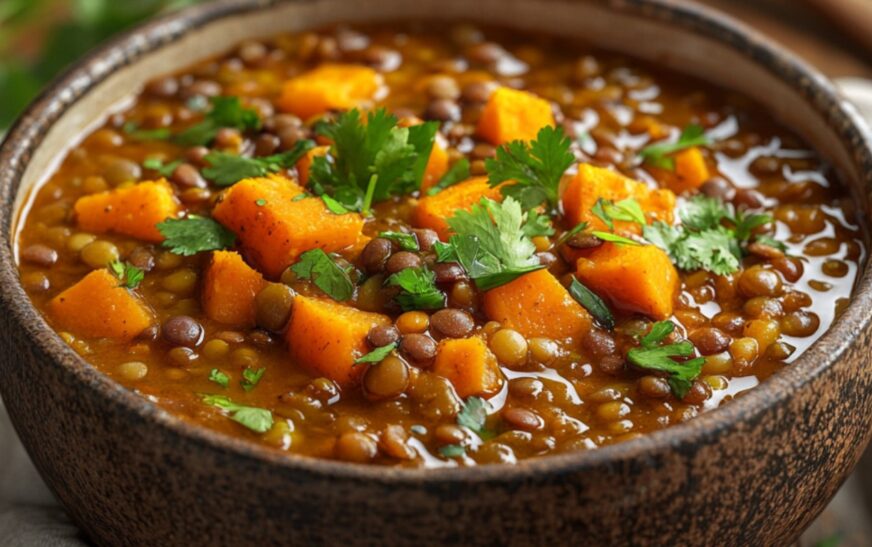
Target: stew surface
{"points": [[446, 245]]}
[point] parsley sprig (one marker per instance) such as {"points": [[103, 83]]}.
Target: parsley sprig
{"points": [[535, 168], [259, 420], [251, 377], [473, 416], [129, 276], [219, 377], [653, 354], [660, 154], [325, 273], [195, 234], [371, 161], [490, 243], [226, 169], [712, 235], [417, 289], [225, 112]]}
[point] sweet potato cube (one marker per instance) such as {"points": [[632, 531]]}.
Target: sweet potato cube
{"points": [[437, 165], [469, 365], [432, 211], [511, 114], [304, 164], [690, 173], [326, 337], [536, 304], [328, 87], [592, 183], [133, 211], [636, 279], [98, 307], [229, 288], [274, 228]]}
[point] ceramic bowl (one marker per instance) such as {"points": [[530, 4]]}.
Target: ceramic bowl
{"points": [[754, 472]]}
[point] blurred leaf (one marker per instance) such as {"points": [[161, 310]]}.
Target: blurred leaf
{"points": [[17, 88]]}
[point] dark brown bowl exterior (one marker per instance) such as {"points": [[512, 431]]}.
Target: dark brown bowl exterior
{"points": [[754, 472]]}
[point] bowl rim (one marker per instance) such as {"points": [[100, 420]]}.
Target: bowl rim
{"points": [[28, 131]]}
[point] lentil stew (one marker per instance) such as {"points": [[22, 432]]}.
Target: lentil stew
{"points": [[452, 245]]}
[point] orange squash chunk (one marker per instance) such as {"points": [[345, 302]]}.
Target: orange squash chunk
{"points": [[536, 304], [638, 279], [690, 172], [437, 165], [304, 164], [274, 229], [432, 211], [511, 114], [326, 337], [133, 211], [329, 87], [469, 365], [229, 288], [592, 183], [97, 307]]}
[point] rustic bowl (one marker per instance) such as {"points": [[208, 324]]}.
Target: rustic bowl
{"points": [[754, 472]]}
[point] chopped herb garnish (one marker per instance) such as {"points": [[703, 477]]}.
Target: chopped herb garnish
{"points": [[227, 169], [592, 303], [490, 243], [659, 155], [652, 354], [250, 377], [129, 276], [535, 168], [163, 169], [332, 205], [317, 266], [370, 161], [538, 224], [377, 355], [457, 173], [407, 242], [452, 450], [712, 235], [614, 238], [134, 131], [226, 112], [259, 420], [565, 236], [473, 415], [194, 234], [418, 289], [219, 377], [260, 202]]}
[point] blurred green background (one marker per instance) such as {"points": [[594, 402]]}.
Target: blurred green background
{"points": [[39, 38]]}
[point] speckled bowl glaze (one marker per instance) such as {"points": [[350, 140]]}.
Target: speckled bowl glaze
{"points": [[754, 472]]}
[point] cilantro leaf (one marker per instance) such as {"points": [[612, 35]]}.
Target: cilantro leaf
{"points": [[226, 112], [259, 420], [651, 354], [538, 224], [227, 169], [377, 355], [614, 238], [219, 377], [194, 234], [407, 242], [317, 266], [163, 169], [490, 243], [535, 168], [659, 155], [712, 235], [456, 173], [371, 161], [133, 130], [473, 414], [592, 303], [418, 289], [129, 276], [250, 377]]}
